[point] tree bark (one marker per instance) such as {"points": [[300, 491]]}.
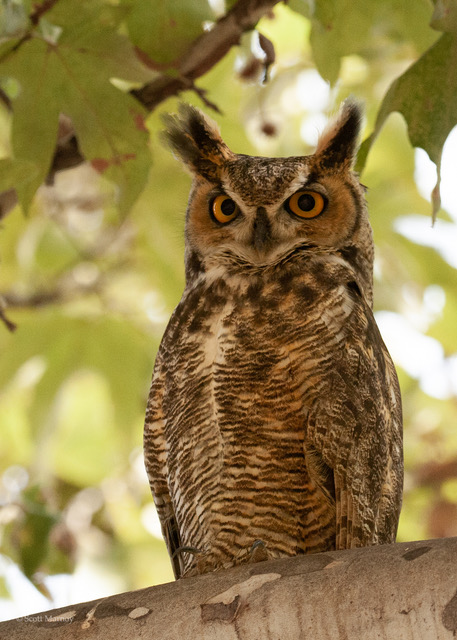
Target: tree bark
{"points": [[404, 591]]}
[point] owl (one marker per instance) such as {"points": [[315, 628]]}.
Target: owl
{"points": [[273, 425]]}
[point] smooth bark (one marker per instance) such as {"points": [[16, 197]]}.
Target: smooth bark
{"points": [[404, 591]]}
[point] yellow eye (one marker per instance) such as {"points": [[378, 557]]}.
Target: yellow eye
{"points": [[306, 204], [224, 209]]}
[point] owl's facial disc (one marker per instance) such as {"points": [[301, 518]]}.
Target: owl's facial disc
{"points": [[262, 233]]}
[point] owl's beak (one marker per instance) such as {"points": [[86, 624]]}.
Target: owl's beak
{"points": [[261, 230]]}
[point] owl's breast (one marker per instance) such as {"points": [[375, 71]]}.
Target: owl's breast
{"points": [[242, 361], [246, 354]]}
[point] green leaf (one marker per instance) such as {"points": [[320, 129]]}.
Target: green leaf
{"points": [[110, 126], [425, 95], [72, 75], [101, 12], [36, 112], [109, 51], [13, 172], [303, 7], [364, 27], [444, 16], [33, 535], [164, 29], [326, 41]]}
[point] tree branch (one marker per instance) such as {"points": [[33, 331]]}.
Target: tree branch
{"points": [[66, 289], [206, 51], [405, 591]]}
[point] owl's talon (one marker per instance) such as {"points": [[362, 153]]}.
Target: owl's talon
{"points": [[193, 550], [259, 552], [257, 543]]}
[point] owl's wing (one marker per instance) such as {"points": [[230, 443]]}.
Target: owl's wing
{"points": [[156, 467], [356, 429]]}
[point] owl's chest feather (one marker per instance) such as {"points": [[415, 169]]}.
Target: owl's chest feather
{"points": [[250, 348], [243, 361]]}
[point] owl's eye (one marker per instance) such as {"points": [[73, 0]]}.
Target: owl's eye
{"points": [[305, 204], [223, 209]]}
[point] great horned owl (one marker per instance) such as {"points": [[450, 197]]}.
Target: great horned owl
{"points": [[273, 425]]}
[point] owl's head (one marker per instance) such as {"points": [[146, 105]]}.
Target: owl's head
{"points": [[247, 209]]}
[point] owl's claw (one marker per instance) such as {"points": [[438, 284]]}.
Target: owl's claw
{"points": [[259, 552], [193, 550]]}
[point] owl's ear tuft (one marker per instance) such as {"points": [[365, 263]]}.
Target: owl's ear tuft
{"points": [[338, 145], [195, 139]]}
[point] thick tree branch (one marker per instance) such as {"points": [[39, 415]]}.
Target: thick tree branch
{"points": [[405, 591]]}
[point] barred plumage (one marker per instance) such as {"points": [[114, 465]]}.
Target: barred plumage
{"points": [[273, 425]]}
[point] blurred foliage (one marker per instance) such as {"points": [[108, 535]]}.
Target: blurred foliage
{"points": [[92, 272]]}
